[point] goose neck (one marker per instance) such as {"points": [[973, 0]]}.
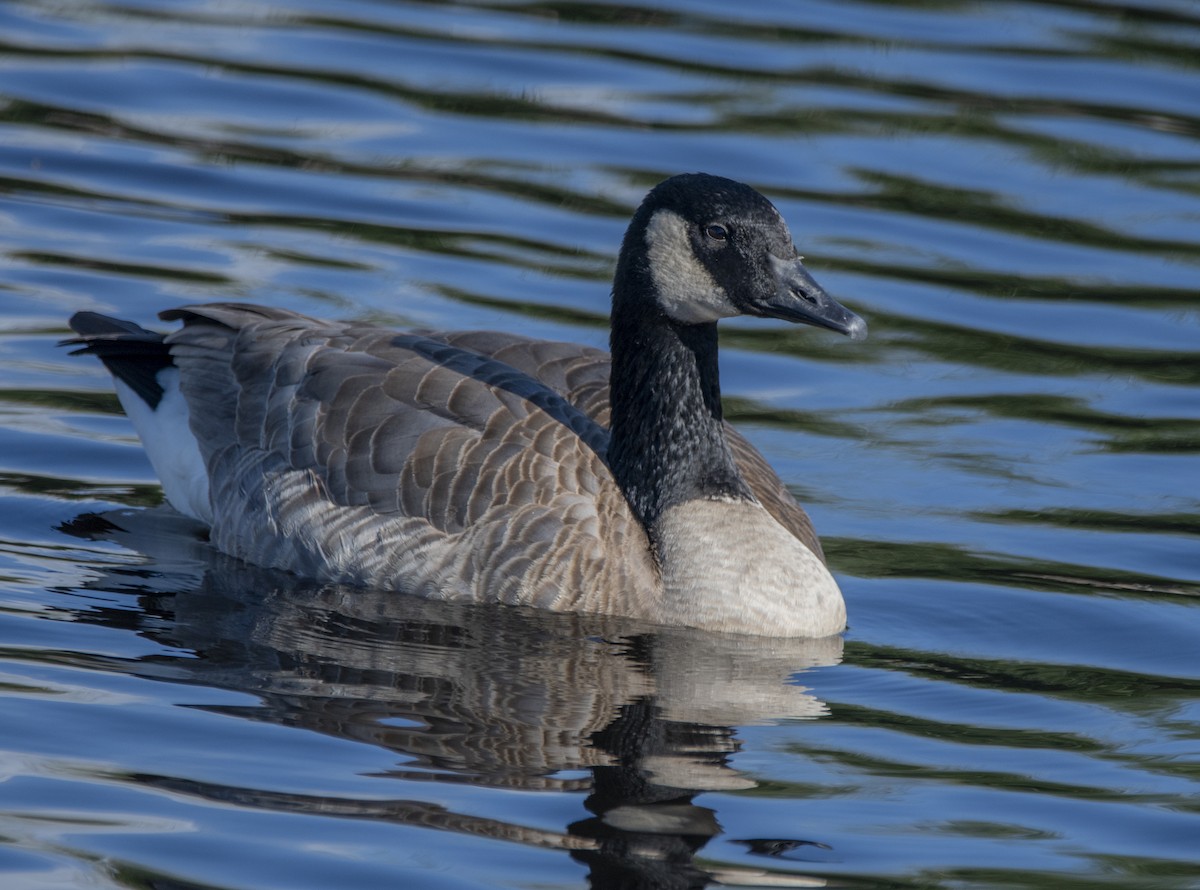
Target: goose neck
{"points": [[667, 441]]}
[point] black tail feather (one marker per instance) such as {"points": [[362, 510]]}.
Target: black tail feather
{"points": [[131, 353]]}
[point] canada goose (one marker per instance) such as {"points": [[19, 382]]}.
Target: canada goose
{"points": [[491, 467]]}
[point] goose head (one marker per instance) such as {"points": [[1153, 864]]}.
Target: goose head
{"points": [[702, 248]]}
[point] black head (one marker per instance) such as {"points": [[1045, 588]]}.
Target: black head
{"points": [[713, 248]]}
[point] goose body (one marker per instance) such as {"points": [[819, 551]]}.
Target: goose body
{"points": [[490, 467]]}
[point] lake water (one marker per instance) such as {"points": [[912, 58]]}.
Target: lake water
{"points": [[1006, 474]]}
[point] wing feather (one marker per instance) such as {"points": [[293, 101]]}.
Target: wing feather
{"points": [[352, 453]]}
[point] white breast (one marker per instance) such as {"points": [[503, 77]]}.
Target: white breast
{"points": [[729, 566]]}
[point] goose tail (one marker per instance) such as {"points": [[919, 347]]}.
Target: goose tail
{"points": [[147, 384], [132, 354]]}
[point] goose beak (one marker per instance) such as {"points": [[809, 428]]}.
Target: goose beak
{"points": [[800, 299]]}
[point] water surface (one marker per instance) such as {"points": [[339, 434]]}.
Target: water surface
{"points": [[1005, 475]]}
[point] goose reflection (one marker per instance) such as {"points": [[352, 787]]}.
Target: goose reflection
{"points": [[639, 719]]}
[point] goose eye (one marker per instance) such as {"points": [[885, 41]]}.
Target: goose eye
{"points": [[716, 232]]}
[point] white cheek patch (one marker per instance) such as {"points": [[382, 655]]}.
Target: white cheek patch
{"points": [[687, 293]]}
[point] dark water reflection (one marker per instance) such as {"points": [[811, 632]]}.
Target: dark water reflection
{"points": [[634, 720]]}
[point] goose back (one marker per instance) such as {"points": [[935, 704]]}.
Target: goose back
{"points": [[350, 453]]}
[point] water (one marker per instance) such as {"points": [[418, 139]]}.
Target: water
{"points": [[1005, 474]]}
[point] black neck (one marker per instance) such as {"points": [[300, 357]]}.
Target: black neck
{"points": [[668, 440]]}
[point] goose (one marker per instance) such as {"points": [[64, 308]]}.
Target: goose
{"points": [[479, 466]]}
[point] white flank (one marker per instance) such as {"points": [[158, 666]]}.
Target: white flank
{"points": [[167, 437]]}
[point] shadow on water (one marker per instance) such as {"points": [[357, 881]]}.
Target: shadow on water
{"points": [[637, 719]]}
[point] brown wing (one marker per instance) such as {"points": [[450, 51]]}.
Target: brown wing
{"points": [[356, 453]]}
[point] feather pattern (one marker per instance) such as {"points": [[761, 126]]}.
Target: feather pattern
{"points": [[349, 453]]}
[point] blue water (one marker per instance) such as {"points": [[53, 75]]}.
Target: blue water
{"points": [[1005, 475]]}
